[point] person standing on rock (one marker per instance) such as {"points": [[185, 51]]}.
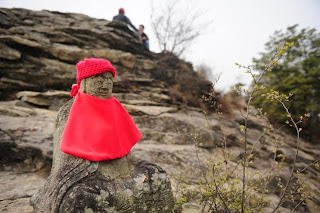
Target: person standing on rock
{"points": [[123, 18], [144, 37]]}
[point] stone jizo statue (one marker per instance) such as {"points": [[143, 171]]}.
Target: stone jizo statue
{"points": [[93, 170]]}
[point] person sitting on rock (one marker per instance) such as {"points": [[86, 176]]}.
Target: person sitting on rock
{"points": [[144, 37], [123, 18]]}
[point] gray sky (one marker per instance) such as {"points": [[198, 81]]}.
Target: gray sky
{"points": [[238, 33]]}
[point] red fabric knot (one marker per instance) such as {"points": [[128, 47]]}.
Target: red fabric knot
{"points": [[74, 90]]}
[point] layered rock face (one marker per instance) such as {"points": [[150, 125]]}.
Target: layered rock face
{"points": [[162, 93], [40, 49]]}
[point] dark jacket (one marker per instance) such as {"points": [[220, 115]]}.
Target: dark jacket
{"points": [[145, 39], [123, 18]]}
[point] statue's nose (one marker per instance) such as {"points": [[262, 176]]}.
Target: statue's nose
{"points": [[105, 84]]}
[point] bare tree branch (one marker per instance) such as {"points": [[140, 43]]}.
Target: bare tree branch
{"points": [[175, 30]]}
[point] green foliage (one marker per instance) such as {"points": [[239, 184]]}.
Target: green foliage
{"points": [[298, 73], [221, 187], [229, 182]]}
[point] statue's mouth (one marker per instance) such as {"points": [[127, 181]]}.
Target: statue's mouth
{"points": [[104, 91]]}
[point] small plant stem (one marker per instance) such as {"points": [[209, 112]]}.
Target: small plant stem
{"points": [[291, 176], [250, 94], [245, 135], [245, 153], [221, 198], [301, 201]]}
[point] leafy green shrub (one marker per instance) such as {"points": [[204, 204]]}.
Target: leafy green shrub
{"points": [[297, 73]]}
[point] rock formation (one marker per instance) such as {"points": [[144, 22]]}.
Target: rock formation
{"points": [[40, 49], [161, 92]]}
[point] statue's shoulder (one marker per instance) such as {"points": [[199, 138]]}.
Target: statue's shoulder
{"points": [[63, 112], [66, 107]]}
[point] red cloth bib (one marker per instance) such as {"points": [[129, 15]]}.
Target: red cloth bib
{"points": [[98, 129]]}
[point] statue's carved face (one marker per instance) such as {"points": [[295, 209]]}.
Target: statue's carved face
{"points": [[99, 86]]}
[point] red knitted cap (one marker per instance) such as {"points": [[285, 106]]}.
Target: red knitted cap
{"points": [[93, 66], [89, 67], [121, 10]]}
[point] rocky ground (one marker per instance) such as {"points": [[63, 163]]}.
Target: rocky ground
{"points": [[162, 93]]}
